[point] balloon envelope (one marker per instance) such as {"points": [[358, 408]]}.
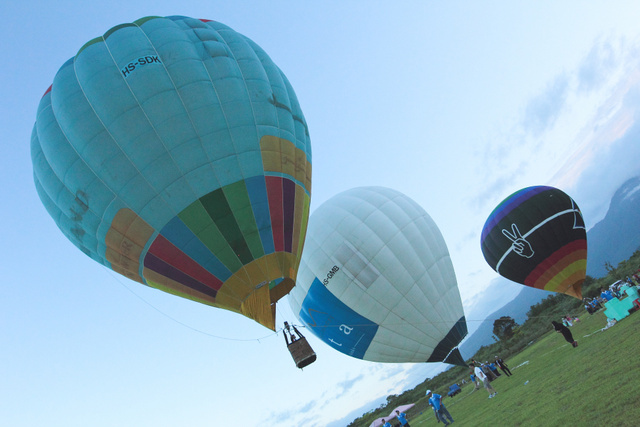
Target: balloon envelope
{"points": [[174, 151], [537, 237], [376, 281]]}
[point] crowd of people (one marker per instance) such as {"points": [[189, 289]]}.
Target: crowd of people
{"points": [[592, 305], [480, 372], [487, 372], [615, 290], [402, 417]]}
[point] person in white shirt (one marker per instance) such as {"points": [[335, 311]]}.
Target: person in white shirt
{"points": [[481, 375]]}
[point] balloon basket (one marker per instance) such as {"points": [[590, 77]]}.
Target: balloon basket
{"points": [[301, 352]]}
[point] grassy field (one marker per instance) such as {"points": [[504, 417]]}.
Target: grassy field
{"points": [[597, 383]]}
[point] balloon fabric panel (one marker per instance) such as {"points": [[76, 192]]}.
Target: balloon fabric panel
{"points": [[219, 210], [126, 241], [335, 323], [173, 151], [274, 190]]}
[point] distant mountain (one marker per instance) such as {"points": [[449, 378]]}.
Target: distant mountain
{"points": [[517, 308], [617, 236]]}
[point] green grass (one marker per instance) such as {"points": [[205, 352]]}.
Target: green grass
{"points": [[597, 383]]}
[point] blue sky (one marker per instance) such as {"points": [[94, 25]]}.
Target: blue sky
{"points": [[455, 104]]}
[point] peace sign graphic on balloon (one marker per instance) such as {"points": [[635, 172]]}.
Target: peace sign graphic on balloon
{"points": [[537, 237]]}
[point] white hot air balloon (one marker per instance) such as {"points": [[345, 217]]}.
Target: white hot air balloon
{"points": [[376, 281]]}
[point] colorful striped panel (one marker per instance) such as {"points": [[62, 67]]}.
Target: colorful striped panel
{"points": [[303, 227], [298, 224], [552, 273], [156, 280], [179, 260], [557, 262], [276, 210], [163, 256], [218, 209], [288, 202], [281, 157], [196, 218], [260, 203], [182, 237], [216, 251], [168, 271]]}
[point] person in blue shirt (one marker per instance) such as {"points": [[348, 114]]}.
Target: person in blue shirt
{"points": [[606, 294], [494, 369], [435, 400], [402, 417], [475, 381], [386, 424]]}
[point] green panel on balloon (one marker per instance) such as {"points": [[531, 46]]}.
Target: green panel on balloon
{"points": [[219, 210], [240, 204], [197, 219]]}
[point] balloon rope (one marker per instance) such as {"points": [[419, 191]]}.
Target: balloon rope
{"points": [[277, 332], [184, 324], [421, 323]]}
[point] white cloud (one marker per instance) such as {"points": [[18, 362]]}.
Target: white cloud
{"points": [[594, 105], [543, 110], [598, 65]]}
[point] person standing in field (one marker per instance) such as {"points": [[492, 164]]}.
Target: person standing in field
{"points": [[386, 423], [435, 400], [501, 363], [435, 412], [494, 369], [487, 371], [402, 417], [485, 380], [566, 333]]}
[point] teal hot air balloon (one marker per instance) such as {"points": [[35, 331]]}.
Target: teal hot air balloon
{"points": [[376, 281], [174, 151], [537, 237]]}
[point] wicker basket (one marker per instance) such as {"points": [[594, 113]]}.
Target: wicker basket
{"points": [[302, 352]]}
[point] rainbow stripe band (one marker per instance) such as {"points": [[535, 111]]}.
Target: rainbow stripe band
{"points": [[226, 241], [565, 268]]}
